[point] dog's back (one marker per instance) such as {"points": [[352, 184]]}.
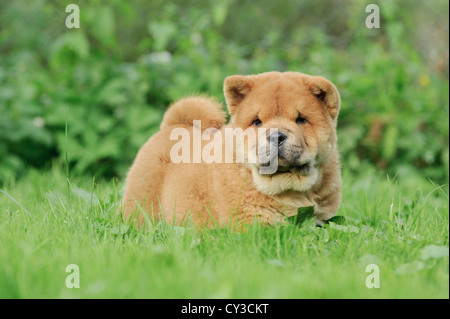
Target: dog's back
{"points": [[150, 180]]}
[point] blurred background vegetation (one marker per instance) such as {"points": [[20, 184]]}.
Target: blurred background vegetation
{"points": [[113, 78]]}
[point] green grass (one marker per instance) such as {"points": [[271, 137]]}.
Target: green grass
{"points": [[400, 225]]}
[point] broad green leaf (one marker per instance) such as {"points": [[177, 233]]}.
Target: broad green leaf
{"points": [[340, 220], [219, 12], [103, 24], [390, 142], [162, 32], [303, 214]]}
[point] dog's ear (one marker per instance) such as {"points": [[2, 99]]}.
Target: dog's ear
{"points": [[327, 93], [235, 88]]}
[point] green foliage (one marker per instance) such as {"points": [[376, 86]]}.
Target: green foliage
{"points": [[114, 77], [303, 214]]}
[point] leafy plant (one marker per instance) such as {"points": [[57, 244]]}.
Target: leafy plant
{"points": [[114, 77]]}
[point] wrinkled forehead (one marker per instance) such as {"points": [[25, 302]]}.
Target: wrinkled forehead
{"points": [[282, 97]]}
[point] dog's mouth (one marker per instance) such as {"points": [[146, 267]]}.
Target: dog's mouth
{"points": [[283, 162], [297, 169], [303, 169]]}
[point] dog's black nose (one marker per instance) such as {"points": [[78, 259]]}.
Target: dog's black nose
{"points": [[277, 138]]}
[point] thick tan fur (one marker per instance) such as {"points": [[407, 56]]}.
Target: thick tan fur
{"points": [[215, 194]]}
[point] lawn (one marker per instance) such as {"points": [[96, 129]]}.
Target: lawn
{"points": [[88, 98], [399, 224]]}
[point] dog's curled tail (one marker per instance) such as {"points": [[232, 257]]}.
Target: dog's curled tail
{"points": [[189, 109]]}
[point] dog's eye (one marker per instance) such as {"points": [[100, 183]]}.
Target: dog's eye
{"points": [[257, 122], [300, 120]]}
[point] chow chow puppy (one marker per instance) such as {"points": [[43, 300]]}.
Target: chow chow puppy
{"points": [[292, 113]]}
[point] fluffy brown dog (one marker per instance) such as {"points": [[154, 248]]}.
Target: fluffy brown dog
{"points": [[303, 109]]}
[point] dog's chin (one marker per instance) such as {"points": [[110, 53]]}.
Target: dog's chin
{"points": [[300, 178]]}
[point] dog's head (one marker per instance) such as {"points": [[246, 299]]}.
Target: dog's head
{"points": [[292, 113]]}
